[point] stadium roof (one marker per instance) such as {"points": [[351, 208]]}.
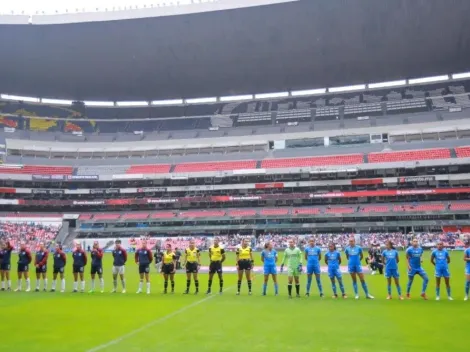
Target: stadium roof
{"points": [[287, 46]]}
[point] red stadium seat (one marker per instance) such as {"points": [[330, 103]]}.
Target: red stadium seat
{"points": [[375, 209], [85, 216], [162, 215], [217, 166], [306, 211], [409, 155], [135, 216], [107, 216], [37, 170], [242, 212], [202, 214], [420, 207], [275, 211], [149, 169], [351, 159], [460, 206], [462, 152], [340, 210]]}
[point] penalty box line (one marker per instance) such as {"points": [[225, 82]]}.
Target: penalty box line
{"points": [[152, 323]]}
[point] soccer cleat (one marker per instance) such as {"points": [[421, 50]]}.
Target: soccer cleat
{"points": [[62, 291], [466, 298], [172, 292], [148, 292], [123, 291], [36, 290], [44, 290], [249, 293], [369, 296], [74, 291], [401, 298], [438, 298], [238, 293], [196, 292], [334, 296], [263, 294], [18, 290], [27, 290], [307, 294], [52, 289], [389, 297], [344, 296], [450, 298], [321, 295], [139, 291], [220, 292], [113, 291], [423, 295], [356, 296], [408, 296], [208, 292], [297, 296], [2, 289], [165, 292], [186, 292], [373, 272]]}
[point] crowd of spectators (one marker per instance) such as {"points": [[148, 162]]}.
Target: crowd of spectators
{"points": [[29, 232]]}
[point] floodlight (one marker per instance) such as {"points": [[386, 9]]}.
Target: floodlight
{"points": [[428, 79], [272, 95], [299, 93], [131, 103], [201, 100], [347, 88], [99, 103], [236, 97], [56, 101], [461, 75], [401, 82], [19, 98]]}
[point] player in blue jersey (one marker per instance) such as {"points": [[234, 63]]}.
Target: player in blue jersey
{"points": [[333, 260], [414, 257], [269, 259], [354, 255], [466, 258], [5, 265], [313, 257], [440, 258], [391, 260]]}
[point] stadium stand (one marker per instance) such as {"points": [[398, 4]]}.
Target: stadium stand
{"points": [[215, 166], [313, 161], [31, 233], [411, 155]]}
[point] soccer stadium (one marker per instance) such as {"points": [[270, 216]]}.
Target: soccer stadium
{"points": [[235, 175]]}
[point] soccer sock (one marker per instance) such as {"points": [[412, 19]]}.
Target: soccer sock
{"points": [[123, 283], [37, 284], [209, 284], [83, 285], [333, 286], [364, 287], [276, 288], [341, 286], [320, 287], [9, 283], [140, 285], [45, 284], [115, 284], [165, 285], [148, 286], [172, 285], [188, 283], [408, 286], [62, 284], [438, 291], [53, 284], [448, 291], [239, 284], [297, 289], [20, 284], [289, 289], [355, 288], [75, 285], [309, 283], [28, 283], [102, 283], [196, 284], [399, 290], [3, 284], [389, 289], [92, 284], [221, 285], [265, 287], [467, 287], [249, 285], [425, 284]]}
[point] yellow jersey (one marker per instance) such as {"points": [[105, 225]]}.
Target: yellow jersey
{"points": [[192, 255], [168, 258], [244, 253], [216, 253]]}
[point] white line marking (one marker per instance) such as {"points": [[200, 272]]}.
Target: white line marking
{"points": [[152, 323]]}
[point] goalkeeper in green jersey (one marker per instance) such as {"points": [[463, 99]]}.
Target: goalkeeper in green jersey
{"points": [[293, 258]]}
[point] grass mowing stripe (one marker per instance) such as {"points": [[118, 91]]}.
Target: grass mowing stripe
{"points": [[152, 323]]}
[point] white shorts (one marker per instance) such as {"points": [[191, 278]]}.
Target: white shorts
{"points": [[119, 270]]}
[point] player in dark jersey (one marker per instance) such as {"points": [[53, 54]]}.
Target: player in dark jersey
{"points": [[79, 261], [119, 262], [60, 260], [40, 262], [96, 266], [5, 265], [143, 257], [24, 259]]}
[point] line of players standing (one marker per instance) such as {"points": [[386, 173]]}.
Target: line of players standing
{"points": [[167, 264]]}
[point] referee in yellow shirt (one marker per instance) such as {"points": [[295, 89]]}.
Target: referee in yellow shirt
{"points": [[192, 262], [244, 265], [216, 257]]}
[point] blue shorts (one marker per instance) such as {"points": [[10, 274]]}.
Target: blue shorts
{"points": [[442, 272], [313, 269], [389, 273], [412, 272], [355, 269], [334, 273], [467, 270], [270, 270]]}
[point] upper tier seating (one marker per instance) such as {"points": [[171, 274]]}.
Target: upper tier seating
{"points": [[306, 211], [313, 161], [216, 166], [409, 155], [202, 213], [462, 152], [149, 169], [419, 207], [38, 170]]}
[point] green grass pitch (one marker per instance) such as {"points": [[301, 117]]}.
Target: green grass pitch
{"points": [[129, 322]]}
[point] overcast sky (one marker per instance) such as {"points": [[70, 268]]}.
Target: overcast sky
{"points": [[51, 6]]}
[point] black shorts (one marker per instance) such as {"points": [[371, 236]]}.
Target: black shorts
{"points": [[168, 268], [215, 267], [41, 269], [96, 269], [78, 269], [192, 268], [5, 267], [144, 268], [58, 270], [244, 264], [23, 268]]}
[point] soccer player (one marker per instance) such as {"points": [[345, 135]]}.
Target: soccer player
{"points": [[216, 257], [119, 262], [333, 260], [24, 259], [79, 261], [414, 257], [440, 258], [96, 266], [40, 262], [466, 258], [354, 255], [391, 260], [269, 259], [313, 257], [158, 259], [143, 257], [60, 260], [169, 268], [244, 265], [192, 262], [5, 266], [293, 259]]}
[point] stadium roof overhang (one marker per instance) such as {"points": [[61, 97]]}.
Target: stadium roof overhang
{"points": [[287, 46]]}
